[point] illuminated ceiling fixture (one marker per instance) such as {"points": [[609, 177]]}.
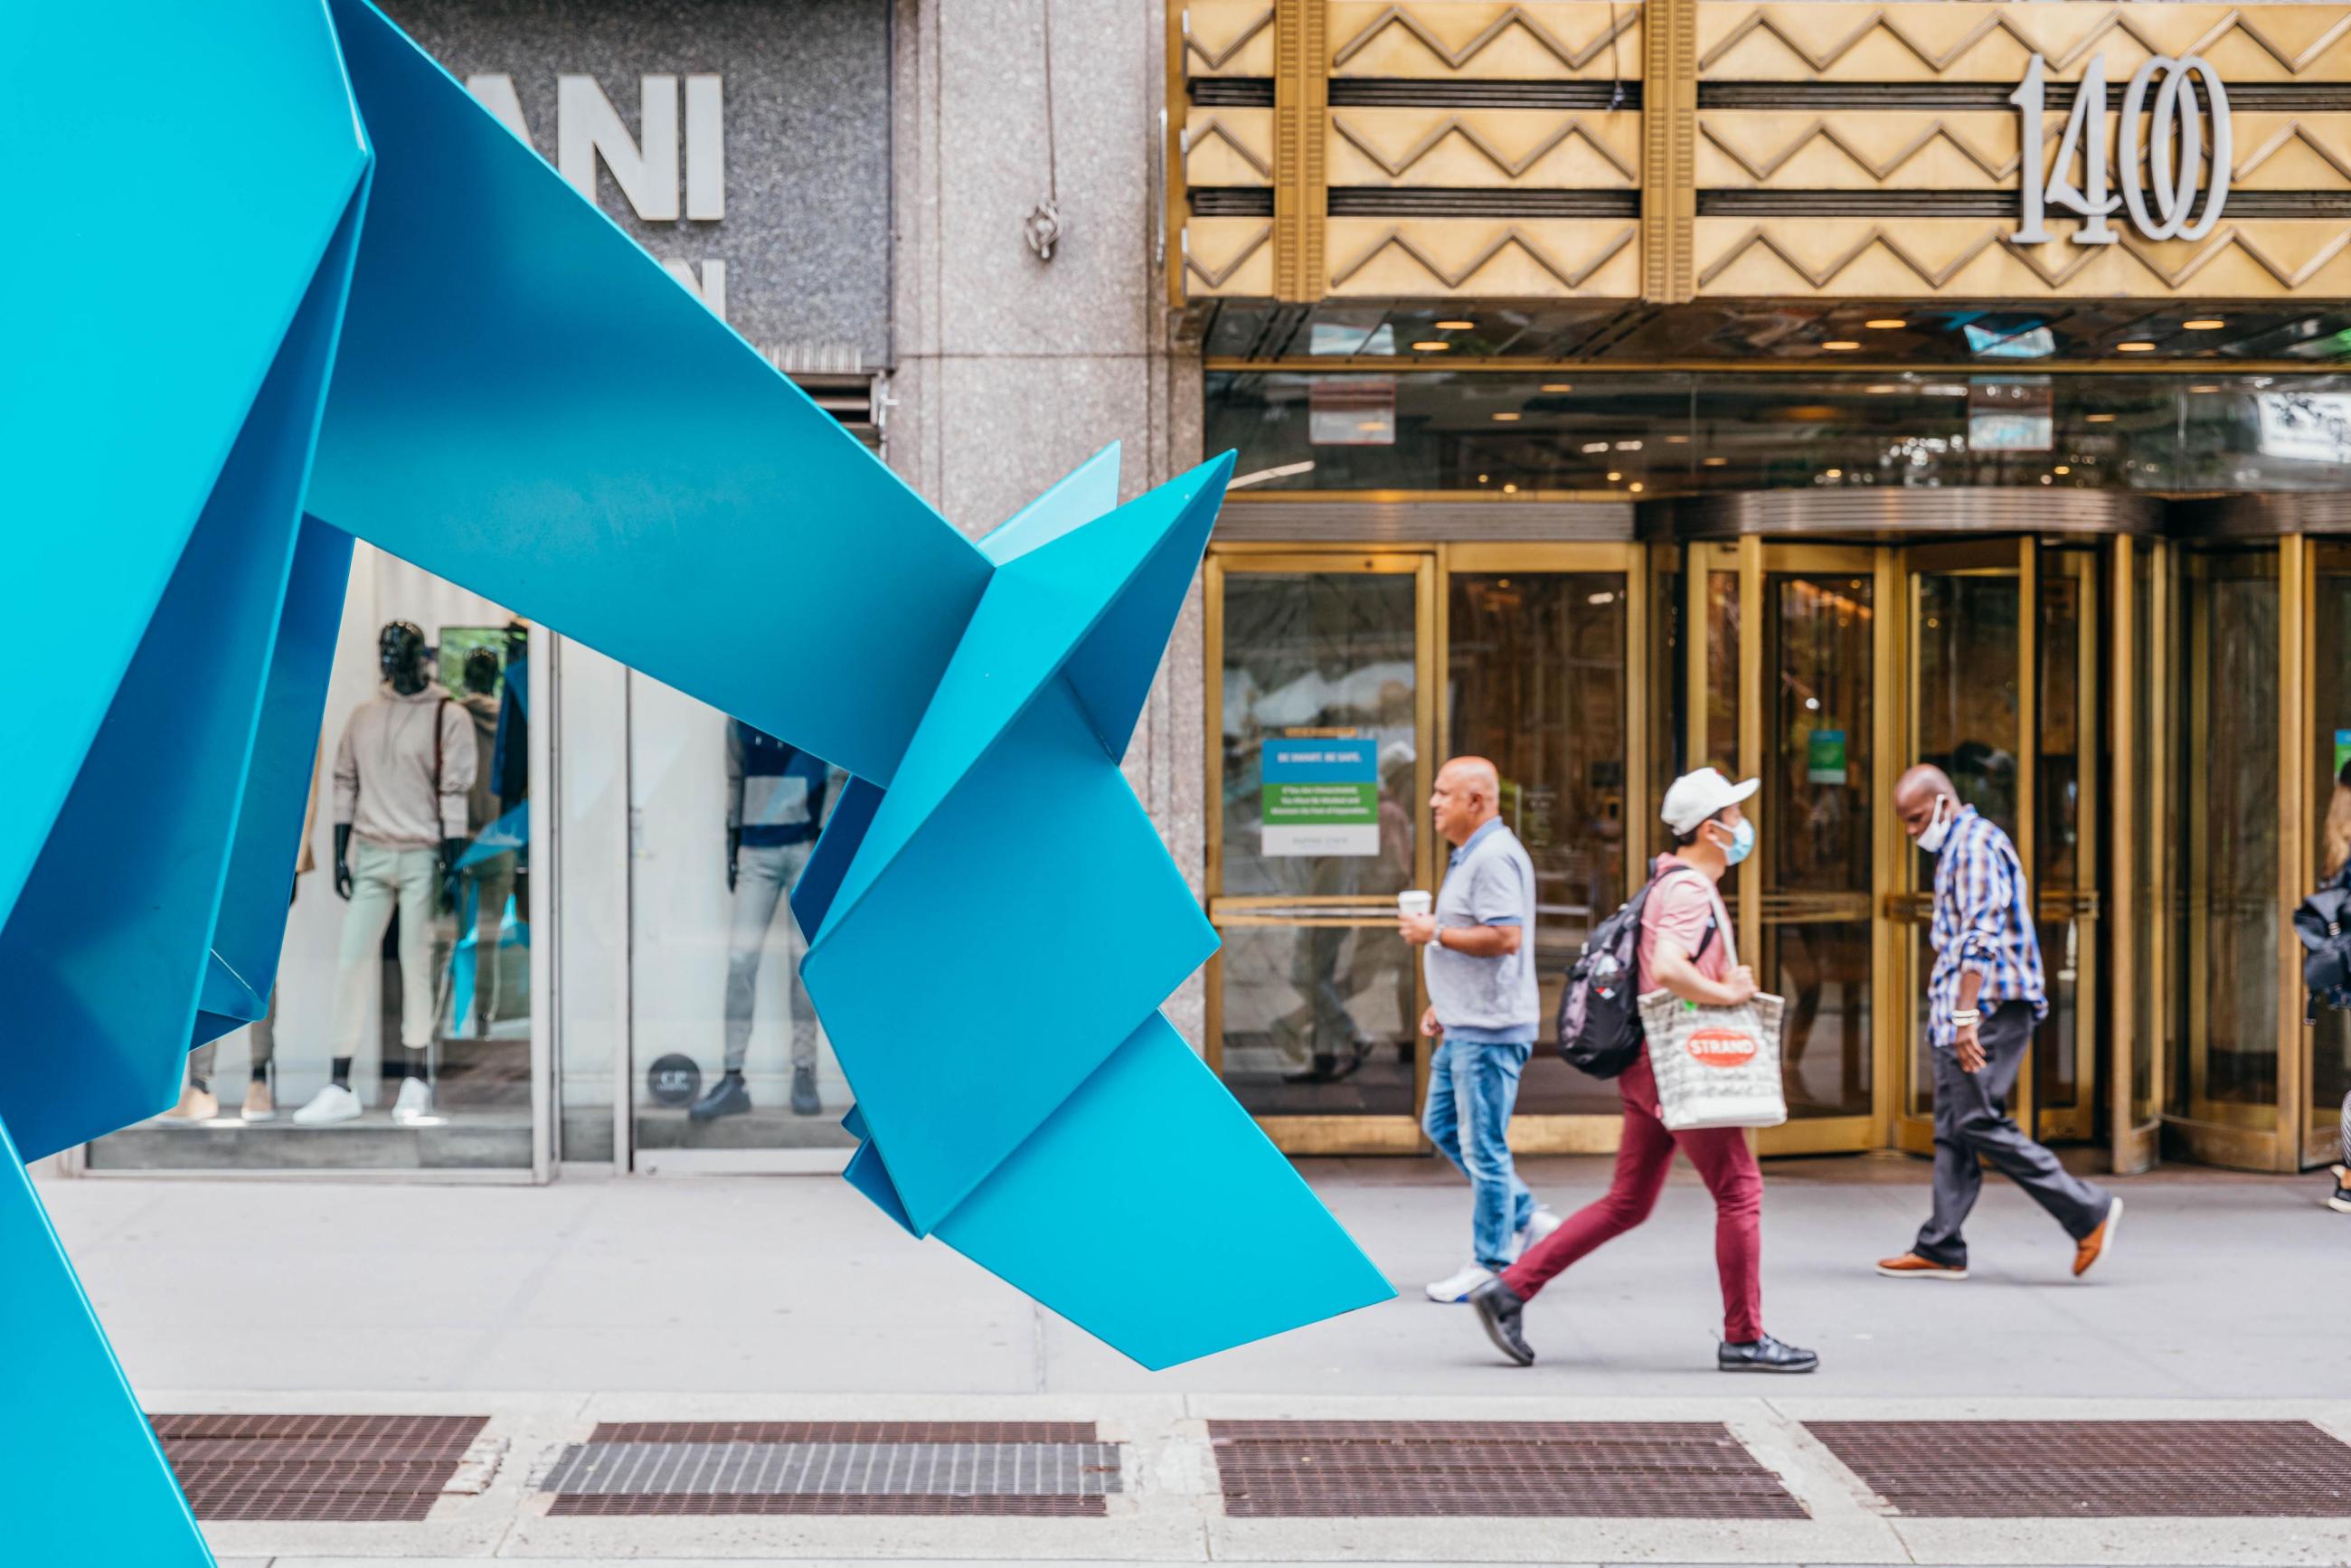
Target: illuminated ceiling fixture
{"points": [[2134, 348], [1636, 487], [1431, 346], [2060, 468], [1591, 447], [1613, 477], [1879, 391], [1628, 446], [1840, 345], [1715, 462], [2203, 388], [1558, 386], [1457, 326], [2099, 418], [1677, 441], [1835, 474], [1887, 324], [2204, 324], [1505, 415], [1509, 490]]}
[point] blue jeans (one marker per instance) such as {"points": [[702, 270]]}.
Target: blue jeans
{"points": [[1485, 1077]]}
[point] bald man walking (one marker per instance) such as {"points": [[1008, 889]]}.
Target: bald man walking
{"points": [[1483, 998], [1984, 999]]}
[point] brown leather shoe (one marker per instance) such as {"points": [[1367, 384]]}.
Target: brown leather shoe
{"points": [[1910, 1266], [2093, 1247]]}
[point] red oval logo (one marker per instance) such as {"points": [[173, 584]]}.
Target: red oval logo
{"points": [[1721, 1047]]}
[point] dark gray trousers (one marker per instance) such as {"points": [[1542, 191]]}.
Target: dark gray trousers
{"points": [[1972, 1127]]}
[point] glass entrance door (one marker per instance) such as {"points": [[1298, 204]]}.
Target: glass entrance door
{"points": [[2141, 858], [1969, 709], [2328, 1070], [1320, 716]]}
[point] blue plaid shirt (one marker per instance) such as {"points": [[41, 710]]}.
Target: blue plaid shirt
{"points": [[1983, 921]]}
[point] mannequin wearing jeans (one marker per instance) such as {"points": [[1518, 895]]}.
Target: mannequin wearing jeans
{"points": [[403, 772], [775, 808]]}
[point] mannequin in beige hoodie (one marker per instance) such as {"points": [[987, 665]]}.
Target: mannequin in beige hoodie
{"points": [[404, 772]]}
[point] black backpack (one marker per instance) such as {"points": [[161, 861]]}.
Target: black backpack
{"points": [[1600, 1007], [2320, 922]]}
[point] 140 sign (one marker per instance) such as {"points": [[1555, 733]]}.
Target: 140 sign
{"points": [[2161, 167]]}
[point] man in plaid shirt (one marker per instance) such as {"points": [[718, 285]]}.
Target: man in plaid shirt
{"points": [[1983, 1000]]}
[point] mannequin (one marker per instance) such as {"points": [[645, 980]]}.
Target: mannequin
{"points": [[775, 808], [404, 771]]}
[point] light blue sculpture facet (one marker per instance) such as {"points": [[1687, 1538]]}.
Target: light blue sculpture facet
{"points": [[388, 319]]}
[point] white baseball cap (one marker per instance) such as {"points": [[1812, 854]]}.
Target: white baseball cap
{"points": [[1695, 797]]}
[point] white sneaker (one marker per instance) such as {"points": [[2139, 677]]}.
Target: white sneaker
{"points": [[1458, 1288], [415, 1099], [1539, 1224], [329, 1105]]}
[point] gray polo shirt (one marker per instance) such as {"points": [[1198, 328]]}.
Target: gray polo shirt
{"points": [[1488, 881]]}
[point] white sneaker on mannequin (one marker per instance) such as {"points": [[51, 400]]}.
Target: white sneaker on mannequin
{"points": [[415, 1101], [330, 1105]]}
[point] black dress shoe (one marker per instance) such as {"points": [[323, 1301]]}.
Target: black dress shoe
{"points": [[730, 1097], [1500, 1308], [1765, 1354]]}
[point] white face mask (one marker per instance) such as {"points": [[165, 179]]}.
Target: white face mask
{"points": [[1931, 839]]}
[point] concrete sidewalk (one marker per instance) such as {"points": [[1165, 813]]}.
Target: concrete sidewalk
{"points": [[2220, 1287], [786, 1299]]}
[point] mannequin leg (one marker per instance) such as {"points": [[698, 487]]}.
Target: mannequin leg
{"points": [[759, 882], [373, 894], [415, 877]]}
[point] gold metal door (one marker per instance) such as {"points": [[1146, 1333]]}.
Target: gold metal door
{"points": [[1543, 652], [1313, 1000], [1787, 652], [1971, 709]]}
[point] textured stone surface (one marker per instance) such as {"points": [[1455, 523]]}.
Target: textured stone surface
{"points": [[806, 239]]}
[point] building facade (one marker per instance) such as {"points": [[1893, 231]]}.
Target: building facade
{"points": [[1616, 387]]}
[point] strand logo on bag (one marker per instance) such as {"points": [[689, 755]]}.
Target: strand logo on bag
{"points": [[1721, 1047]]}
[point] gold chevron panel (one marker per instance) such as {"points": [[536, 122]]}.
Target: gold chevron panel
{"points": [[1536, 40], [1228, 38], [1485, 258], [1952, 40], [1228, 147], [1972, 258], [1494, 148], [1228, 258]]}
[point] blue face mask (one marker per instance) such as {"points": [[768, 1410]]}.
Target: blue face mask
{"points": [[1742, 842]]}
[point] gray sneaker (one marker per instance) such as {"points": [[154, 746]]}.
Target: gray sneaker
{"points": [[1501, 1309], [804, 1096]]}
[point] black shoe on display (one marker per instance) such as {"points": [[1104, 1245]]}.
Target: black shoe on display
{"points": [[804, 1098], [1765, 1354], [730, 1097], [1501, 1309]]}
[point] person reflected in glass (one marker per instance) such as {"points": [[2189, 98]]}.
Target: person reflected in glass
{"points": [[1485, 1008], [2335, 857], [486, 883]]}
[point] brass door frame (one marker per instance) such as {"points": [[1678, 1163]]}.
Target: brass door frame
{"points": [[2135, 1145], [1592, 1133], [2213, 1132], [1909, 905], [2084, 904], [1752, 558], [1316, 1134]]}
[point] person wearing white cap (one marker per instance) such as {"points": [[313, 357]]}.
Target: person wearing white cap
{"points": [[1681, 952]]}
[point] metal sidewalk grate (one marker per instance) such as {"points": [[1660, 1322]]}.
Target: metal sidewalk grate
{"points": [[318, 1469], [2097, 1469], [1530, 1470], [644, 1468]]}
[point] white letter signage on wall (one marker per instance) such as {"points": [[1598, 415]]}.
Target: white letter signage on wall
{"points": [[2160, 170]]}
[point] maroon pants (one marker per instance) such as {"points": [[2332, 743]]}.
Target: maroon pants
{"points": [[1728, 1167]]}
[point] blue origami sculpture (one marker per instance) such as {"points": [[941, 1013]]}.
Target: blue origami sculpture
{"points": [[375, 314]]}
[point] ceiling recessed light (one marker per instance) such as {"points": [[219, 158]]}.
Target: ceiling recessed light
{"points": [[1887, 324], [1559, 386], [2099, 418], [1880, 390], [1509, 490], [1505, 415], [1677, 441], [2134, 348], [1628, 446], [1837, 472], [1613, 477], [1431, 346], [2204, 324], [1635, 486], [2060, 468], [1840, 345], [1591, 447], [1481, 479], [1715, 462], [2203, 388], [1457, 326]]}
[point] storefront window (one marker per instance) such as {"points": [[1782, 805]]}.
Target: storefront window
{"points": [[400, 1035]]}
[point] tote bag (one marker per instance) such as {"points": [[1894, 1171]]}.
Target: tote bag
{"points": [[1715, 1066]]}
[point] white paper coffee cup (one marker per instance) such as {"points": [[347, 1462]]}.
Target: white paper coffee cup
{"points": [[1412, 901]]}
